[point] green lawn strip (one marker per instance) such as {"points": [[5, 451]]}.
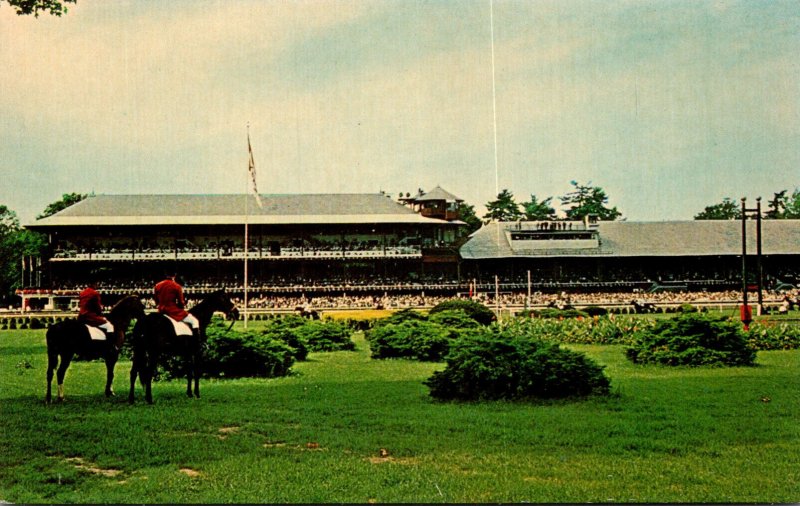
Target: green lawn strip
{"points": [[665, 435]]}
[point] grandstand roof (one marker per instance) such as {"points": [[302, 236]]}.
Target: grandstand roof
{"points": [[230, 210], [636, 239]]}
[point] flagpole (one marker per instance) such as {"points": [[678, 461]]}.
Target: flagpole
{"points": [[246, 236], [251, 168], [246, 213]]}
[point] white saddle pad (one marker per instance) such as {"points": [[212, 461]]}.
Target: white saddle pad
{"points": [[96, 333], [181, 329]]}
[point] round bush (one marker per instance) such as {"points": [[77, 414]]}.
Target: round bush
{"points": [[493, 366], [454, 318], [240, 354], [416, 339], [474, 310], [692, 339], [326, 336]]}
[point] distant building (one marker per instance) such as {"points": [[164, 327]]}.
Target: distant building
{"points": [[294, 239], [701, 254]]}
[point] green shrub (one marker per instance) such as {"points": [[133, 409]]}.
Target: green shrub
{"points": [[284, 329], [595, 330], [246, 354], [474, 310], [291, 338], [454, 318], [768, 335], [326, 336], [692, 339], [403, 315], [231, 354], [36, 323], [493, 365], [687, 308], [12, 324], [416, 339]]}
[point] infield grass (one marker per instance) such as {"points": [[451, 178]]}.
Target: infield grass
{"points": [[665, 435]]}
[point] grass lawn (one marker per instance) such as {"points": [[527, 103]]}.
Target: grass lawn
{"points": [[666, 435]]}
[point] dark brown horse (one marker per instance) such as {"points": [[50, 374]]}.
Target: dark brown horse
{"points": [[67, 338], [155, 333]]}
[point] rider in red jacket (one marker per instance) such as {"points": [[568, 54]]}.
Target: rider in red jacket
{"points": [[170, 301], [90, 308]]}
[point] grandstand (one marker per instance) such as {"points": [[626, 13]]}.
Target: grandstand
{"points": [[692, 255], [293, 239], [329, 245]]}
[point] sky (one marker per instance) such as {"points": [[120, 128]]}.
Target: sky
{"points": [[667, 105]]}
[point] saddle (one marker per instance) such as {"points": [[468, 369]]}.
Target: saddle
{"points": [[96, 333], [181, 329]]}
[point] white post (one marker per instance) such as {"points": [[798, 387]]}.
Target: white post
{"points": [[497, 296], [528, 301]]}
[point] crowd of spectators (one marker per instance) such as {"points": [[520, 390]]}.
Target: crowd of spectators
{"points": [[503, 301]]}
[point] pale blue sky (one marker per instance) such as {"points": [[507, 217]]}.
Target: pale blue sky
{"points": [[668, 105]]}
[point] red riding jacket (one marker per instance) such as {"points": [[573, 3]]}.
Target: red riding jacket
{"points": [[90, 308], [169, 299]]}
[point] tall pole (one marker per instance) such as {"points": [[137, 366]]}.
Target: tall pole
{"points": [[744, 313], [246, 236], [497, 296], [758, 257], [528, 300]]}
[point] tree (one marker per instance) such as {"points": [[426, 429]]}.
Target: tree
{"points": [[54, 7], [504, 208], [466, 213], [585, 200], [536, 210], [9, 256], [67, 200], [792, 209], [776, 206], [725, 210], [15, 243]]}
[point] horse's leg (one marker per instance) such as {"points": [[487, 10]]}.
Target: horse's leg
{"points": [[111, 361], [146, 374], [189, 372], [197, 362], [52, 363], [146, 378], [134, 373], [66, 358]]}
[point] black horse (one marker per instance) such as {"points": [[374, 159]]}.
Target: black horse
{"points": [[643, 307], [67, 338], [154, 333]]}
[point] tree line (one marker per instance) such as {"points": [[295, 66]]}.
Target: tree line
{"points": [[782, 206], [17, 242], [583, 200]]}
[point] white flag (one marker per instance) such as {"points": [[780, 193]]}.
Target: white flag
{"points": [[252, 169]]}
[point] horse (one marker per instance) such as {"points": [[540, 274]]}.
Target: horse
{"points": [[154, 332], [643, 307], [70, 337]]}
